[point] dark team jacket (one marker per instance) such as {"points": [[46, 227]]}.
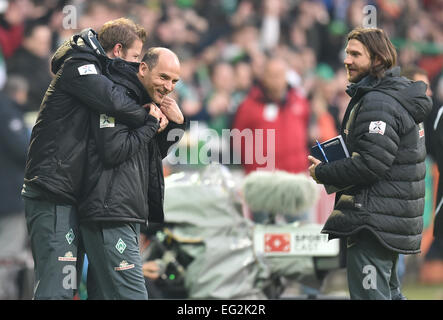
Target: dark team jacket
{"points": [[384, 133], [125, 181], [56, 156]]}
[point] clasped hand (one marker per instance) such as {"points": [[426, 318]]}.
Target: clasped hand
{"points": [[158, 114], [171, 110]]}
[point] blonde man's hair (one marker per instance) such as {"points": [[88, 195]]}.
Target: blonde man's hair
{"points": [[123, 31]]}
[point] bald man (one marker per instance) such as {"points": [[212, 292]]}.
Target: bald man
{"points": [[124, 184], [274, 79], [274, 106]]}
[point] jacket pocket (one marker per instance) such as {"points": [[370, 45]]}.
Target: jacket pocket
{"points": [[345, 202]]}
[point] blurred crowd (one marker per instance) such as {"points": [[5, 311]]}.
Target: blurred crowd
{"points": [[224, 47]]}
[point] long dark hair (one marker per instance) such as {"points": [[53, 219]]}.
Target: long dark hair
{"points": [[381, 50]]}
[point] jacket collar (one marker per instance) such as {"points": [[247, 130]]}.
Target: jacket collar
{"points": [[369, 82], [125, 73]]}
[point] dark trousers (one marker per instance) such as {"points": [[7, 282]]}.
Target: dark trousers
{"points": [[371, 269], [115, 266], [54, 237]]}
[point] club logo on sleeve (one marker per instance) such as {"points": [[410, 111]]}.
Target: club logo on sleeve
{"points": [[377, 127], [106, 121], [87, 69]]}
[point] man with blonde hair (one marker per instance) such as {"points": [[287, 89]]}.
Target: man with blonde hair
{"points": [[57, 155], [122, 38]]}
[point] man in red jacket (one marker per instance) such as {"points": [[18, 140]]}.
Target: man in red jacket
{"points": [[12, 26], [274, 105]]}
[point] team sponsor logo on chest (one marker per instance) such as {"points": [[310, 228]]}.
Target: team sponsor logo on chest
{"points": [[87, 69], [270, 112], [377, 127], [106, 121]]}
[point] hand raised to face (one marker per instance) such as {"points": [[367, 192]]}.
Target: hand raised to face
{"points": [[171, 110]]}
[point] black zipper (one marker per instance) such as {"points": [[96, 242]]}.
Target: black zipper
{"points": [[108, 190]]}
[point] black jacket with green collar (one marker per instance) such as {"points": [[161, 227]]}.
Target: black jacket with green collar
{"points": [[384, 177], [125, 180]]}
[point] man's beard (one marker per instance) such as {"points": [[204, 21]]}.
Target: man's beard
{"points": [[360, 75]]}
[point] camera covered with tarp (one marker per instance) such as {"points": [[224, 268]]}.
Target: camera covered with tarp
{"points": [[228, 254]]}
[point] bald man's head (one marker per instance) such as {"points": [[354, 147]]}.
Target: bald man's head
{"points": [[159, 72], [274, 78], [152, 57]]}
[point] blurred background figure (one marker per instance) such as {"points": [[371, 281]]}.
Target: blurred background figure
{"points": [[31, 61], [218, 99], [12, 19], [14, 139], [274, 105], [432, 269]]}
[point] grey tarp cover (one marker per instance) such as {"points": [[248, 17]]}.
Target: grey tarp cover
{"points": [[207, 220]]}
